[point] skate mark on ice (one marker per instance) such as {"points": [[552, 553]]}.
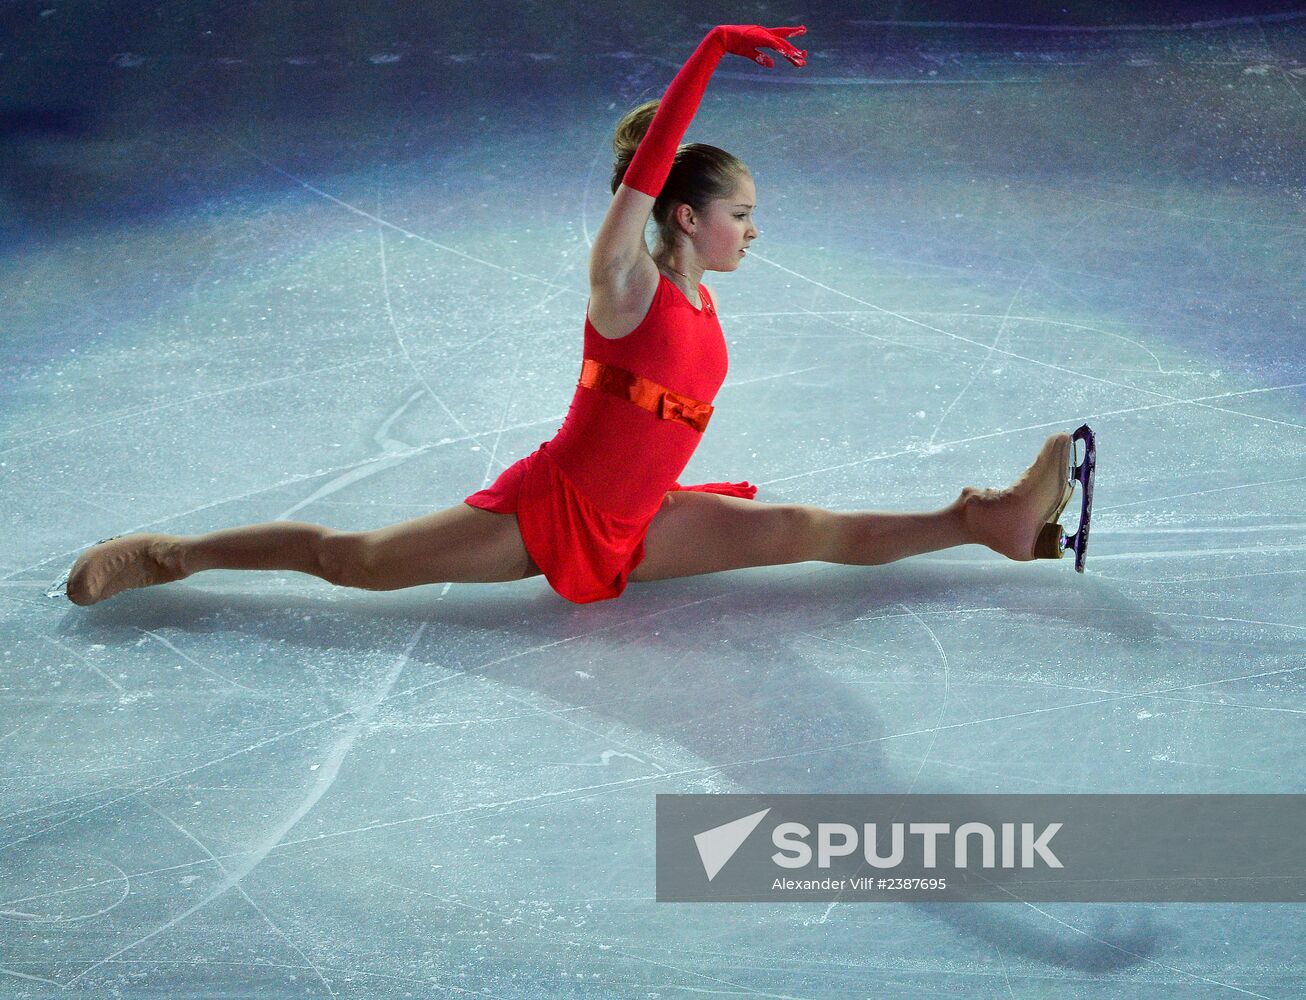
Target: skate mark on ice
{"points": [[1133, 954], [195, 663], [346, 467], [1043, 425], [1042, 608], [1263, 550], [1170, 400], [570, 935], [36, 918], [825, 317], [115, 417], [122, 693], [394, 323], [1028, 684], [475, 669], [362, 713], [28, 977], [953, 314], [958, 337], [244, 895], [929, 747], [531, 801], [1279, 65], [514, 272], [1142, 581], [980, 365], [381, 222]]}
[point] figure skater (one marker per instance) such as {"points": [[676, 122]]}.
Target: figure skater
{"points": [[599, 505]]}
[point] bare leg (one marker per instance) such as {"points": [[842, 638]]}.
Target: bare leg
{"points": [[292, 545], [705, 533], [1007, 521], [459, 543], [143, 560], [872, 537]]}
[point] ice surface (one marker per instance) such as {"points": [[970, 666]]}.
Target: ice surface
{"points": [[346, 285]]}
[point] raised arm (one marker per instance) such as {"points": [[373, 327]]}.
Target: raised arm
{"points": [[620, 239]]}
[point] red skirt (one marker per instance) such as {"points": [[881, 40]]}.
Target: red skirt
{"points": [[585, 553]]}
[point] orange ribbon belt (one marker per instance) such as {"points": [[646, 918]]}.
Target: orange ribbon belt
{"points": [[657, 399]]}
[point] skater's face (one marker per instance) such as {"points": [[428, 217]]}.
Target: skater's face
{"points": [[726, 228]]}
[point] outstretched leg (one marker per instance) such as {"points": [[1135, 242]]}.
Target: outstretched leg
{"points": [[705, 533], [462, 544]]}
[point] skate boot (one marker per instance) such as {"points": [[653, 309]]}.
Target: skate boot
{"points": [[123, 563], [1021, 522]]}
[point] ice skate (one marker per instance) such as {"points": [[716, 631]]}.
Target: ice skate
{"points": [[1083, 475], [1018, 521], [123, 563]]}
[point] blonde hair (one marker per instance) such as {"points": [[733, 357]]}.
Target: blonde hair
{"points": [[699, 173]]}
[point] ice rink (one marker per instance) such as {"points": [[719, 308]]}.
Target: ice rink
{"points": [[328, 264]]}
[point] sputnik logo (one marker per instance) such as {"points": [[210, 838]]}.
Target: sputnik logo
{"points": [[718, 845]]}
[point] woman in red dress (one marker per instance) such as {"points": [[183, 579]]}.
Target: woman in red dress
{"points": [[600, 504]]}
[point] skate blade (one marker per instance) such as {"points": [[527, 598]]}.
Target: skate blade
{"points": [[1084, 473]]}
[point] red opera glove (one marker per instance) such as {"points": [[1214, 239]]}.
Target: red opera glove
{"points": [[657, 150]]}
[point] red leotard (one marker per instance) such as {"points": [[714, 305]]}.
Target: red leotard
{"points": [[584, 500]]}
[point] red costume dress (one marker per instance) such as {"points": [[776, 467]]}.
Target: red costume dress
{"points": [[584, 500]]}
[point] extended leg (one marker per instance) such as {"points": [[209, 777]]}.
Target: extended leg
{"points": [[271, 545], [705, 533], [874, 537], [460, 543]]}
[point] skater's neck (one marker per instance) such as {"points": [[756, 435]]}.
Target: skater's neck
{"points": [[682, 270]]}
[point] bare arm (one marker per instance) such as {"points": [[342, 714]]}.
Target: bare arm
{"points": [[619, 243]]}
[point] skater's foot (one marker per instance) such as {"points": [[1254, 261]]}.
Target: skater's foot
{"points": [[1009, 521], [122, 564]]}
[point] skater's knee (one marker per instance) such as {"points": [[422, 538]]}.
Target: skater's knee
{"points": [[803, 533], [342, 559], [831, 535]]}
